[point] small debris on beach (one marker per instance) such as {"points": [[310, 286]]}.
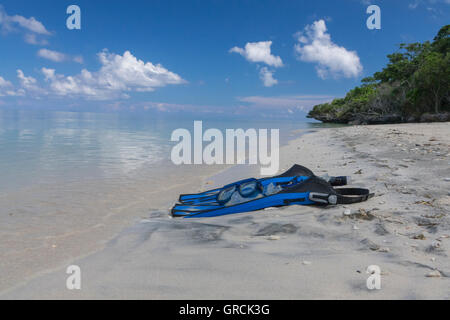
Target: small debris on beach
{"points": [[433, 274], [373, 246], [347, 212], [360, 214], [273, 238], [358, 172], [419, 236], [306, 262], [436, 244], [427, 203]]}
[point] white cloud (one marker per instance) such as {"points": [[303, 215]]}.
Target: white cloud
{"points": [[32, 27], [259, 52], [119, 75], [26, 82], [31, 38], [5, 87], [78, 59], [267, 78], [4, 83], [30, 24], [315, 46], [28, 85], [52, 55], [56, 56]]}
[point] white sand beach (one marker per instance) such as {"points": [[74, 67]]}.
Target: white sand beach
{"points": [[295, 252]]}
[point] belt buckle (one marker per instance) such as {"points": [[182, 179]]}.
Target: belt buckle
{"points": [[323, 198]]}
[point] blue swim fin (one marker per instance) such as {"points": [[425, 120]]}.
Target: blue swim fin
{"points": [[282, 179], [312, 191]]}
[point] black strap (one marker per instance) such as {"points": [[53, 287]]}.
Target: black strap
{"points": [[352, 195], [338, 181]]}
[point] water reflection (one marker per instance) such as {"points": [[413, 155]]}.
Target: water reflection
{"points": [[40, 147]]}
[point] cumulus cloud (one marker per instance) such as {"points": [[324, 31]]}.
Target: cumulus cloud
{"points": [[4, 83], [28, 85], [315, 46], [267, 78], [30, 26], [259, 52], [119, 75]]}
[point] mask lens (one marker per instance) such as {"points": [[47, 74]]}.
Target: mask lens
{"points": [[248, 189], [225, 195]]}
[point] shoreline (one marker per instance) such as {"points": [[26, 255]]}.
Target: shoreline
{"points": [[305, 250], [43, 232]]}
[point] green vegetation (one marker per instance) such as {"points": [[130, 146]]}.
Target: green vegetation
{"points": [[415, 85]]}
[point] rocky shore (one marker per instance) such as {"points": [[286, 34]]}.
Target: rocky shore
{"points": [[362, 119]]}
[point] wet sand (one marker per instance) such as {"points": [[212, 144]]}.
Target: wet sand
{"points": [[46, 226], [293, 252]]}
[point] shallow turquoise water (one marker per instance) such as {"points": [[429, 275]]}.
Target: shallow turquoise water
{"points": [[51, 147]]}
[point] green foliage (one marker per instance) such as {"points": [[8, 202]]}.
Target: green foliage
{"points": [[416, 80]]}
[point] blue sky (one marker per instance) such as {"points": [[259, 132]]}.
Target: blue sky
{"points": [[270, 58]]}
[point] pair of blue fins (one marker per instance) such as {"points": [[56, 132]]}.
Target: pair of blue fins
{"points": [[297, 186]]}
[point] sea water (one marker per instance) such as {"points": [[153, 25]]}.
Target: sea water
{"points": [[42, 147], [71, 180]]}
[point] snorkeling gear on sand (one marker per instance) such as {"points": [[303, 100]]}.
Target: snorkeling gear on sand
{"points": [[252, 195], [248, 187]]}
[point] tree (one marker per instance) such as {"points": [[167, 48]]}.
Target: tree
{"points": [[433, 78], [442, 40], [416, 80]]}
